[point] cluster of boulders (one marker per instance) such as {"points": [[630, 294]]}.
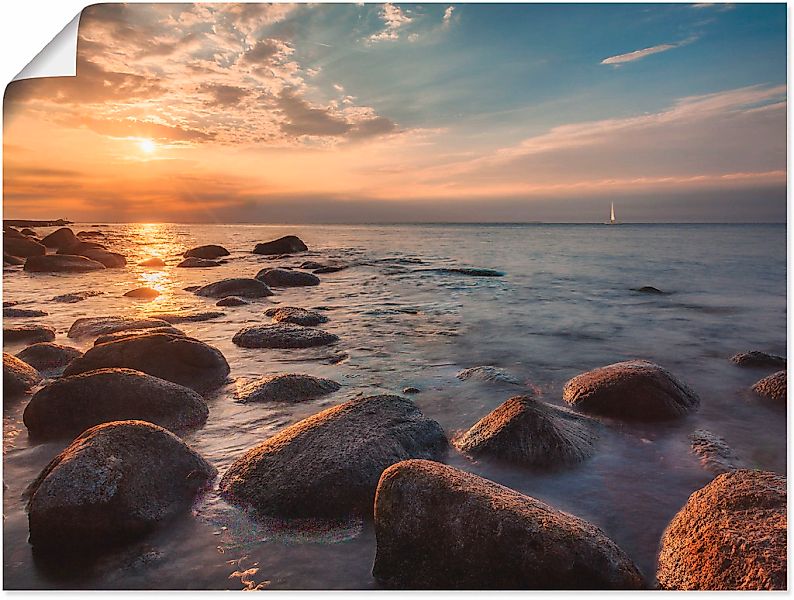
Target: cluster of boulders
{"points": [[60, 251]]}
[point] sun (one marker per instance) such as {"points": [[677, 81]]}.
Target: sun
{"points": [[147, 146]]}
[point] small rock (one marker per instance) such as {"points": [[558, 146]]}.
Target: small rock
{"points": [[297, 316], [28, 333], [120, 335], [647, 289], [61, 263], [209, 251], [18, 376], [472, 271], [76, 296], [60, 238], [231, 301], [143, 292], [411, 390], [152, 262], [28, 231], [282, 335], [96, 326], [488, 373], [23, 312], [755, 358], [773, 386], [192, 288], [714, 452], [48, 358], [194, 262], [238, 286], [288, 244], [287, 278], [292, 388], [188, 317]]}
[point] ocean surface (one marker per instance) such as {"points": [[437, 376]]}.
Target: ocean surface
{"points": [[565, 305]]}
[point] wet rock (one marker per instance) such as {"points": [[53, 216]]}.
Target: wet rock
{"points": [[69, 406], [49, 358], [61, 263], [60, 238], [22, 312], [191, 288], [635, 389], [730, 535], [18, 376], [472, 271], [28, 333], [297, 316], [22, 247], [13, 261], [411, 390], [209, 251], [116, 482], [231, 301], [188, 317], [90, 234], [715, 454], [329, 269], [328, 464], [76, 296], [287, 278], [28, 231], [238, 286], [111, 260], [440, 528], [282, 335], [79, 248], [120, 335], [530, 432], [755, 358], [179, 359], [152, 262], [9, 303], [647, 289], [292, 388], [288, 244], [143, 292], [773, 386], [488, 373], [197, 263], [96, 326], [318, 267]]}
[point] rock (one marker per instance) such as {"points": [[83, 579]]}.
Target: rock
{"points": [[111, 260], [488, 373], [179, 359], [440, 528], [49, 358], [22, 312], [28, 333], [22, 247], [730, 535], [143, 292], [76, 296], [60, 238], [715, 454], [287, 278], [28, 231], [237, 286], [18, 376], [411, 390], [188, 317], [290, 388], [209, 251], [13, 261], [329, 269], [79, 248], [191, 288], [69, 406], [773, 386], [116, 482], [231, 301], [635, 389], [9, 303], [474, 272], [755, 358], [288, 244], [61, 263], [647, 289], [193, 262], [120, 335], [90, 234], [297, 316], [328, 465], [530, 432], [96, 326], [282, 335], [152, 262], [318, 267]]}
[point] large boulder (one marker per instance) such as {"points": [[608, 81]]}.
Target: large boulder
{"points": [[22, 247], [28, 333], [18, 376], [49, 358], [289, 244], [193, 262], [60, 238], [635, 390], [730, 535], [69, 406], [209, 251], [527, 431], [61, 263], [287, 278], [241, 287], [773, 386], [80, 247], [296, 316], [96, 326], [179, 359], [441, 528], [754, 358], [282, 335], [328, 464], [111, 260], [116, 482], [120, 335], [286, 387]]}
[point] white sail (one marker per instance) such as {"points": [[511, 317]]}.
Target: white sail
{"points": [[612, 214]]}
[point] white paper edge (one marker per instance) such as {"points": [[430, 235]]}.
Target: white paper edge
{"points": [[58, 58]]}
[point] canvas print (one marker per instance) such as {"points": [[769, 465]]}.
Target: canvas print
{"points": [[385, 296]]}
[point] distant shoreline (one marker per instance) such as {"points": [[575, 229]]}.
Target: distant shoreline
{"points": [[63, 222]]}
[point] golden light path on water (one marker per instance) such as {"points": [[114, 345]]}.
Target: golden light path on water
{"points": [[154, 240]]}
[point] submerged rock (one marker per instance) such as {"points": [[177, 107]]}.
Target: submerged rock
{"points": [[635, 389], [288, 244], [96, 326], [61, 263], [328, 464], [755, 358], [116, 482], [22, 247], [60, 238], [49, 358], [530, 432], [143, 292], [282, 335], [188, 317], [152, 262], [18, 376], [290, 388], [231, 301], [179, 359], [730, 535], [69, 406], [22, 312], [76, 296], [647, 289], [773, 386], [193, 262], [238, 286], [28, 333], [287, 278], [487, 373], [296, 316], [473, 271], [128, 333], [209, 251], [715, 454], [440, 528]]}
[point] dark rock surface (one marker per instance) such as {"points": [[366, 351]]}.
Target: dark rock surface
{"points": [[61, 263], [282, 335], [715, 455], [237, 286], [128, 333], [288, 244], [60, 238], [193, 262], [49, 358], [755, 358], [289, 387], [296, 316], [28, 333], [18, 376], [231, 301], [96, 326], [209, 251], [111, 260], [76, 296], [287, 278], [22, 247], [12, 261], [188, 317], [773, 386], [488, 373], [648, 289], [22, 312]]}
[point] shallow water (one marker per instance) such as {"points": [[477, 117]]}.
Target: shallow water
{"points": [[564, 306]]}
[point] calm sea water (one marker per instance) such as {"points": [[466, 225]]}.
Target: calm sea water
{"points": [[564, 306]]}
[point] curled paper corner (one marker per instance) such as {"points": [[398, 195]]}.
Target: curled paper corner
{"points": [[56, 59]]}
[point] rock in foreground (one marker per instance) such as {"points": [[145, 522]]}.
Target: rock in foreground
{"points": [[60, 238], [288, 244], [441, 528], [116, 482], [730, 535], [287, 278], [61, 263], [754, 358], [282, 335], [18, 376], [773, 386], [634, 390], [290, 388], [95, 326], [237, 286], [49, 358], [328, 464], [296, 316]]}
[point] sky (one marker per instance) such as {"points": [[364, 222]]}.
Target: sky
{"points": [[342, 113]]}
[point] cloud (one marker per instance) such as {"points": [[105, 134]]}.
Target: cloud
{"points": [[224, 95], [638, 54], [447, 15], [394, 19]]}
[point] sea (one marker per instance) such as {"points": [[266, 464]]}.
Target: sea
{"points": [[566, 304]]}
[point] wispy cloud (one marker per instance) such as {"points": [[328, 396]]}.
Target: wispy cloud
{"points": [[448, 15], [620, 59], [393, 19]]}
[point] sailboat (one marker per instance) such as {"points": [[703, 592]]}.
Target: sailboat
{"points": [[612, 220]]}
